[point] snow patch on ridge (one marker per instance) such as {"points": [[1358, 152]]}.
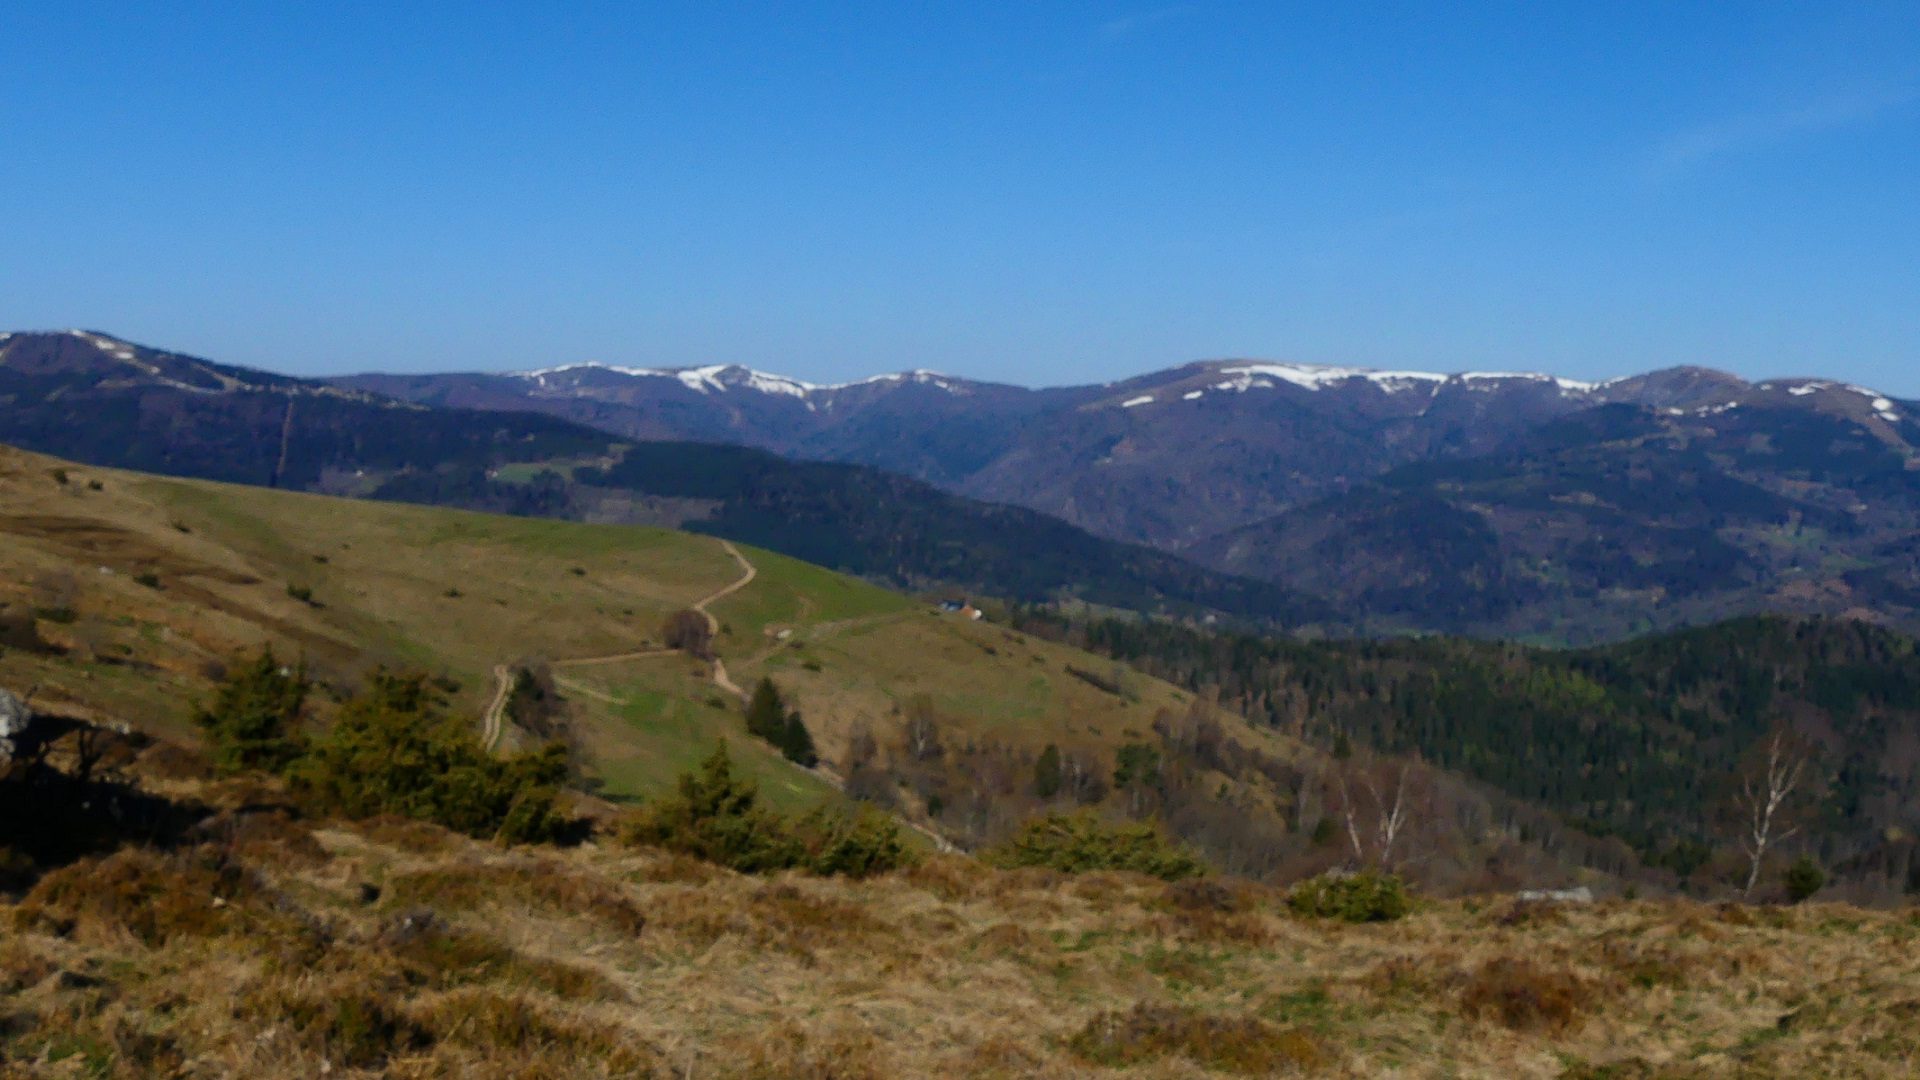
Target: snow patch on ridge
{"points": [[1246, 377], [1567, 386], [1882, 405], [1145, 399], [713, 378]]}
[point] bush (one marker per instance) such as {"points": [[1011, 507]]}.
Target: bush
{"points": [[1804, 878], [301, 593], [1079, 842], [394, 750], [254, 720], [717, 816], [1368, 896], [858, 844]]}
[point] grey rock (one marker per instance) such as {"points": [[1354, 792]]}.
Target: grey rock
{"points": [[15, 718], [1581, 895]]}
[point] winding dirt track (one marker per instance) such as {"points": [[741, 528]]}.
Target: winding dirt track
{"points": [[503, 684], [493, 723]]}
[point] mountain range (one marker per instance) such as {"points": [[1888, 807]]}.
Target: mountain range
{"points": [[100, 400], [1170, 458], [1489, 503], [1341, 500]]}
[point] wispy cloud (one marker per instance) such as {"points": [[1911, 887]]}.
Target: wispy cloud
{"points": [[1128, 25], [1694, 147]]}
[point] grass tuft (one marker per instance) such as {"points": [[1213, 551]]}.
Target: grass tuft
{"points": [[1524, 995], [1238, 1044]]}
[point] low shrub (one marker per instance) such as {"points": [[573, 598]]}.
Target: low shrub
{"points": [[254, 719], [717, 816], [1368, 896], [394, 750], [857, 844], [1804, 878], [1080, 842]]}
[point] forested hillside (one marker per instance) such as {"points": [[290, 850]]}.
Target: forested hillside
{"points": [[1616, 521], [1645, 740]]}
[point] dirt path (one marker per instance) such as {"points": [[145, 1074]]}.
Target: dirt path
{"points": [[496, 712], [721, 680], [637, 654], [749, 573], [582, 688], [493, 722]]}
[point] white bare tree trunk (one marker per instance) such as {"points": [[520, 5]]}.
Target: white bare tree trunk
{"points": [[1347, 812], [1760, 797]]}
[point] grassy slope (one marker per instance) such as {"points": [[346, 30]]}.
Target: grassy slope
{"points": [[458, 592], [536, 964]]}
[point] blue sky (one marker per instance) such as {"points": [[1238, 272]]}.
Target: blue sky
{"points": [[1035, 192]]}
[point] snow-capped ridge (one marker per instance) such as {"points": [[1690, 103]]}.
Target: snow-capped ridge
{"points": [[722, 377], [1243, 377]]}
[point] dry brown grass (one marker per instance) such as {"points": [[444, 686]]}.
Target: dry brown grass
{"points": [[1235, 1044], [472, 961], [1525, 995]]}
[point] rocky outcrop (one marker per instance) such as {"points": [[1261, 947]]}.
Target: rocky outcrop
{"points": [[16, 720]]}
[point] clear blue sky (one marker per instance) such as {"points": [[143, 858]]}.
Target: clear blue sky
{"points": [[1037, 192]]}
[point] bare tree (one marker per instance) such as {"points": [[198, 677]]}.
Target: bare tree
{"points": [[1376, 800], [689, 630], [1766, 784], [923, 728]]}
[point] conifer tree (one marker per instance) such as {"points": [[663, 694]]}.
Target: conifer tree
{"points": [[767, 714], [1046, 773], [254, 720], [797, 743]]}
